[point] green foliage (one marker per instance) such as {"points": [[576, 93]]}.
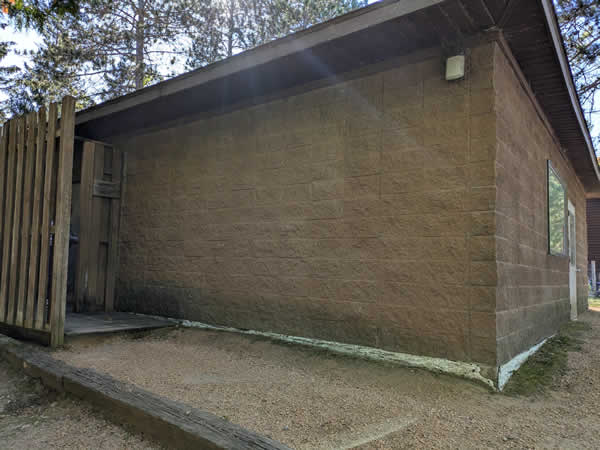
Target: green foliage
{"points": [[53, 73], [31, 14], [34, 13]]}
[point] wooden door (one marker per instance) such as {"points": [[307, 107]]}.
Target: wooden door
{"points": [[97, 241], [36, 168]]}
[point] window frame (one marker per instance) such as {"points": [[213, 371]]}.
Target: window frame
{"points": [[553, 171]]}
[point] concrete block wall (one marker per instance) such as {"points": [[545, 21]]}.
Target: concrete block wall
{"points": [[362, 212], [533, 286]]}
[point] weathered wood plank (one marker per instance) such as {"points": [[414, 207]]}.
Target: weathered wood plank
{"points": [[95, 290], [3, 201], [62, 222], [107, 189], [179, 425], [27, 334], [36, 220], [16, 231], [30, 157], [40, 319], [3, 152], [85, 223], [113, 243]]}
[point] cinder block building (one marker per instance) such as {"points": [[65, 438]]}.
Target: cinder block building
{"points": [[356, 182]]}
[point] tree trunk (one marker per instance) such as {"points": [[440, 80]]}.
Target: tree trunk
{"points": [[139, 47], [230, 29]]}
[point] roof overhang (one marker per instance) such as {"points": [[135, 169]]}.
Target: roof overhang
{"points": [[335, 29], [363, 37], [534, 37]]}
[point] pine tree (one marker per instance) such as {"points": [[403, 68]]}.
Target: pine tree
{"points": [[105, 50], [24, 14], [238, 25], [127, 41], [56, 70], [580, 26]]}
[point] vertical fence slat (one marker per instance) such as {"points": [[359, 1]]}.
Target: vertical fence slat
{"points": [[113, 243], [85, 219], [40, 320], [38, 182], [63, 219], [29, 157], [16, 231], [3, 175], [3, 150], [8, 215]]}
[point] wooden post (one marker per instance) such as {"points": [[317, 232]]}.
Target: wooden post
{"points": [[62, 222], [594, 279]]}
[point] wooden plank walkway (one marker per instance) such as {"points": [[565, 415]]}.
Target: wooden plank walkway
{"points": [[78, 324]]}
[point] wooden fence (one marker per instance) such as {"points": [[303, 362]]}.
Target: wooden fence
{"points": [[36, 163]]}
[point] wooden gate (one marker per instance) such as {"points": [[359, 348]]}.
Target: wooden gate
{"points": [[98, 198], [36, 162]]}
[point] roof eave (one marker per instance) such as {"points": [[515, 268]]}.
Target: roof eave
{"points": [[333, 29]]}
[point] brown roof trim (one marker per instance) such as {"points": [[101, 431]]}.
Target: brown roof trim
{"points": [[336, 28], [559, 48]]}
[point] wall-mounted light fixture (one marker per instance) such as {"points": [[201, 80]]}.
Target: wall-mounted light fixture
{"points": [[455, 67]]}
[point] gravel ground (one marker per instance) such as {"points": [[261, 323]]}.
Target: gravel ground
{"points": [[312, 400], [33, 418]]}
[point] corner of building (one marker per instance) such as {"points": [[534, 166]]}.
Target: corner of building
{"points": [[532, 295]]}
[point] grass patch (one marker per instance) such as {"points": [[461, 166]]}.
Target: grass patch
{"points": [[594, 302], [540, 371]]}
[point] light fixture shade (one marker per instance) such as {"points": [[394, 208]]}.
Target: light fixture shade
{"points": [[455, 67]]}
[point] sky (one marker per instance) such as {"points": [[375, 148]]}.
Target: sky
{"points": [[25, 39]]}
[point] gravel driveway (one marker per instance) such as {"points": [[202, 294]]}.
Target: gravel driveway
{"points": [[312, 400]]}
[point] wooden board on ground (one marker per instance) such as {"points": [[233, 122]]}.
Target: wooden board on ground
{"points": [[172, 423]]}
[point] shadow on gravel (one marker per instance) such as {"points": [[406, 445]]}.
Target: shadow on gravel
{"points": [[27, 393]]}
